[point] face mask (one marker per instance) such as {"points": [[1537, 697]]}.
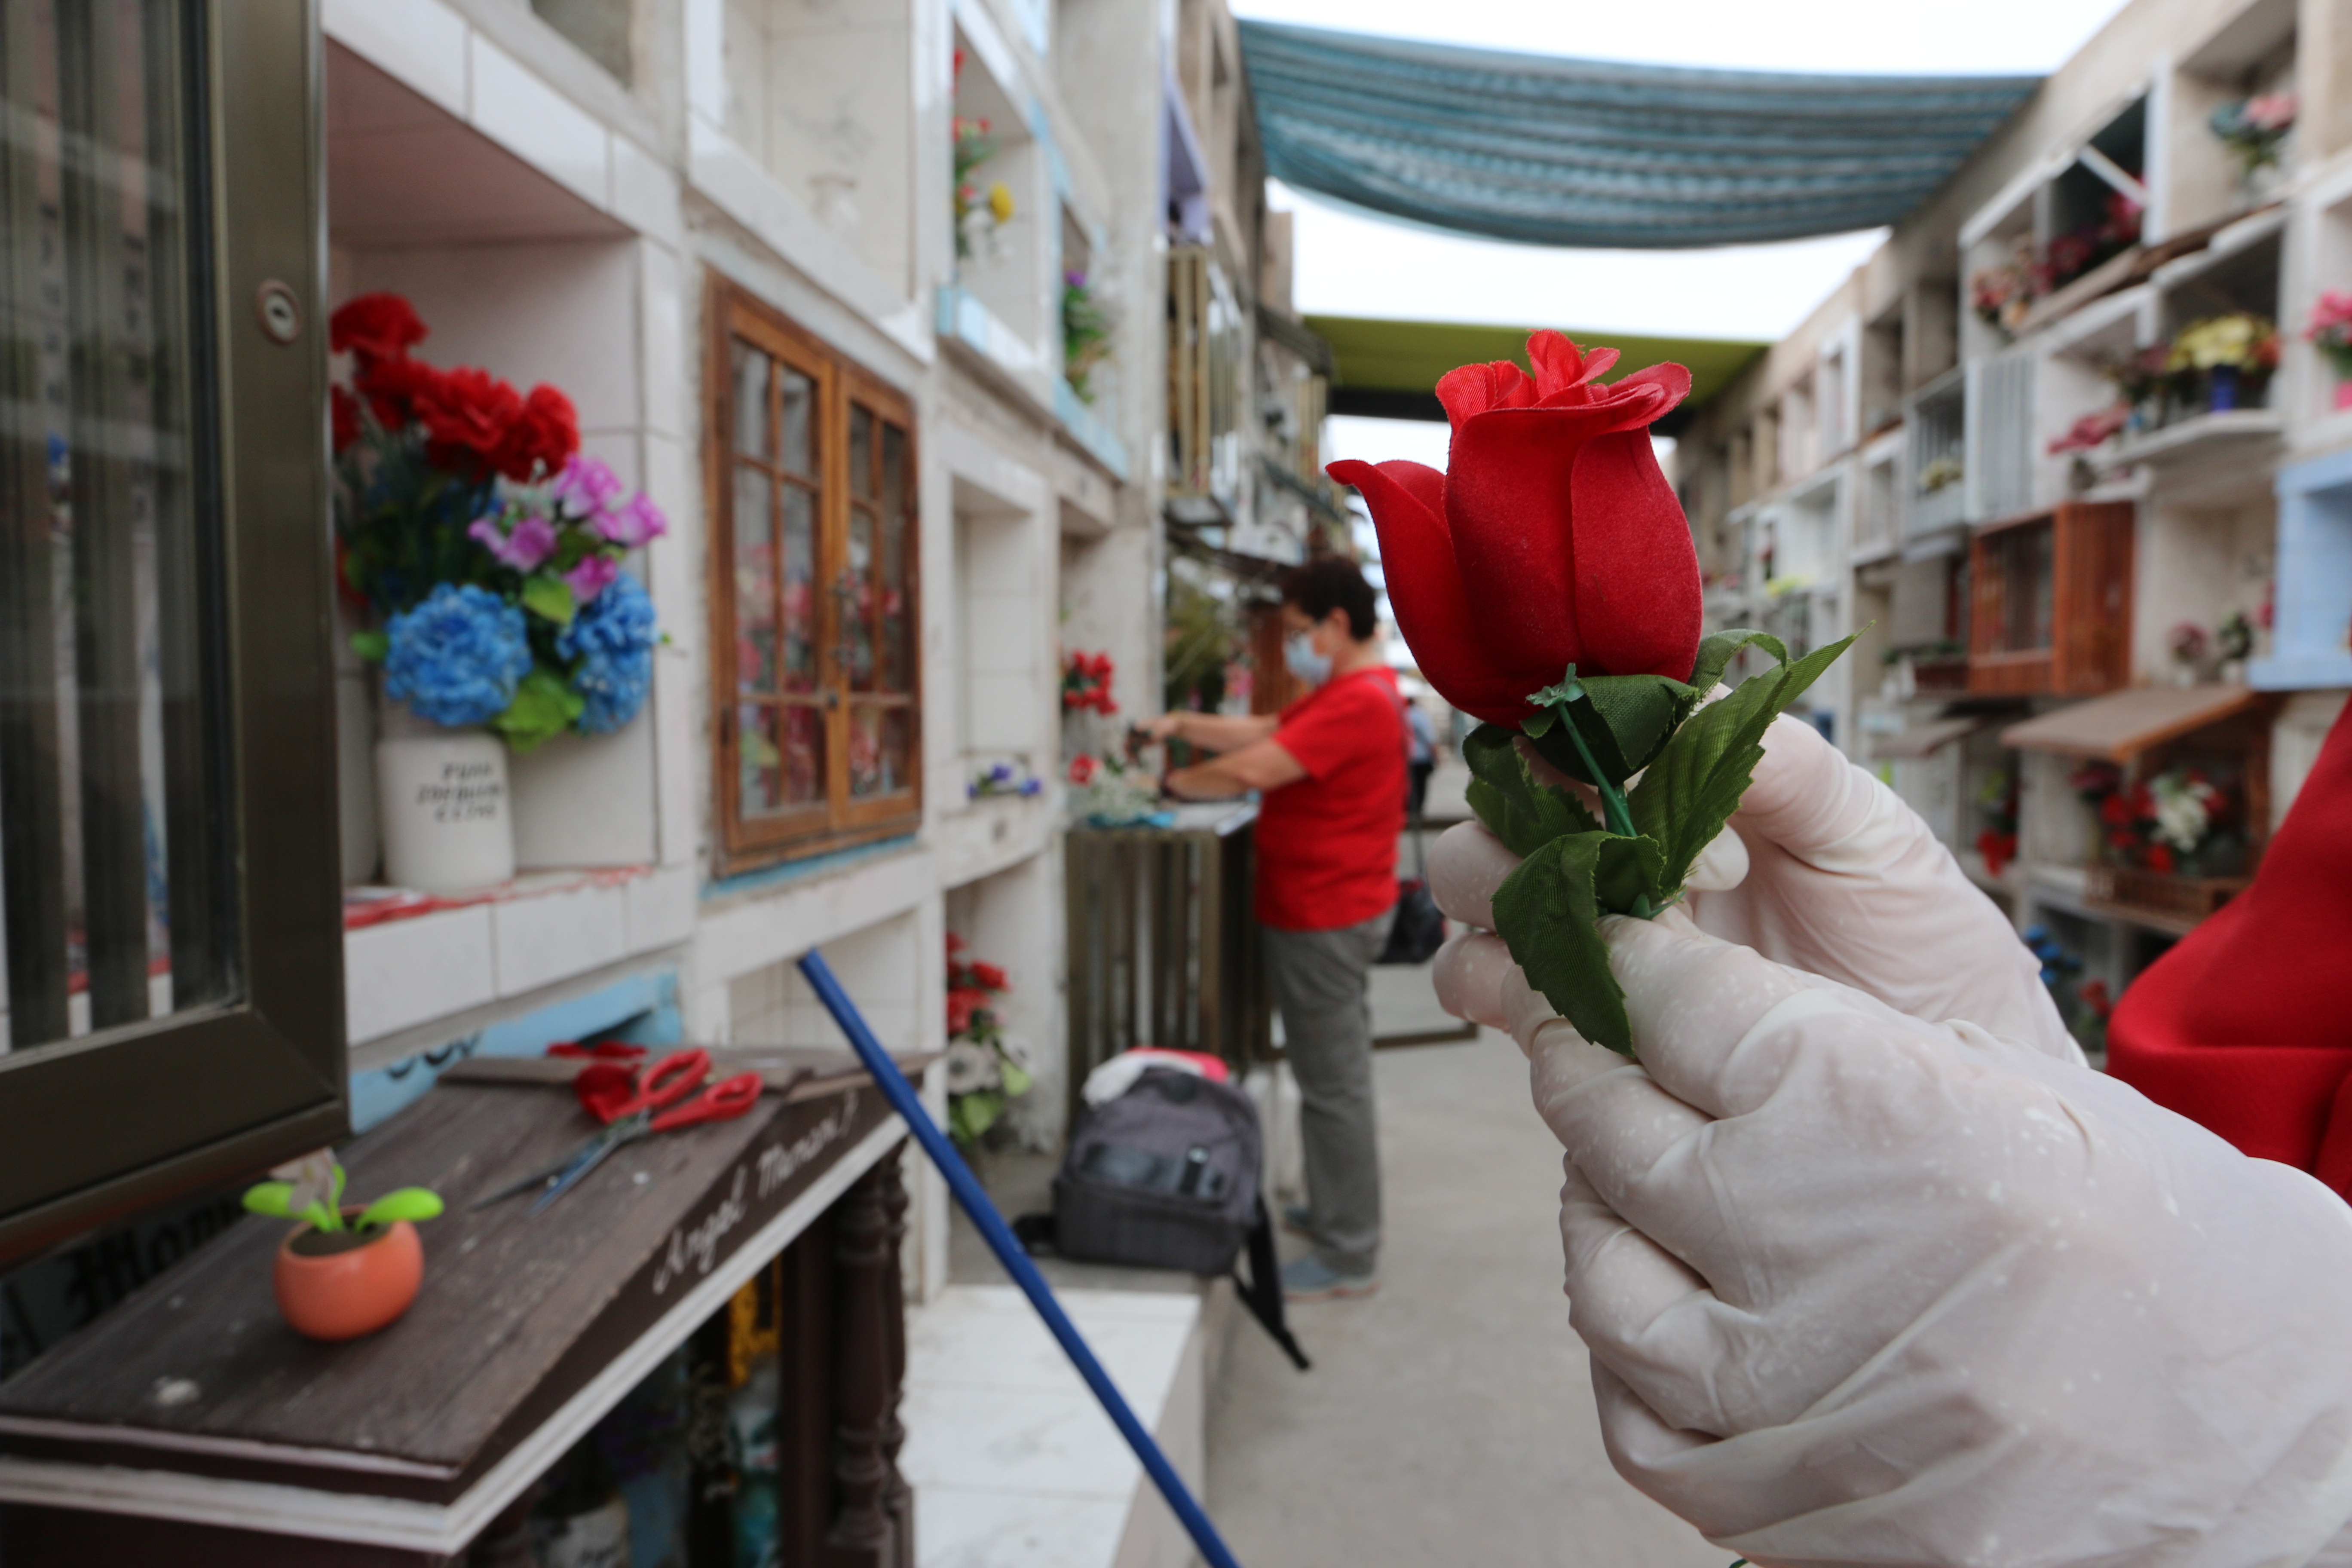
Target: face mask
{"points": [[1299, 656]]}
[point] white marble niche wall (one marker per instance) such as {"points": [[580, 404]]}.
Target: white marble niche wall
{"points": [[1006, 685], [821, 93]]}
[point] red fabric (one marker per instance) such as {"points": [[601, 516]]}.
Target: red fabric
{"points": [[1551, 539], [2245, 1027], [1327, 844]]}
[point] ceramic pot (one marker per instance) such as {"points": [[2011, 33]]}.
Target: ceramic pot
{"points": [[343, 1295], [446, 810]]}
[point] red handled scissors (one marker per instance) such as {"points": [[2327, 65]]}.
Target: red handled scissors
{"points": [[660, 1098]]}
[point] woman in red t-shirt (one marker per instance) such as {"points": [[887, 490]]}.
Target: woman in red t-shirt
{"points": [[1331, 772]]}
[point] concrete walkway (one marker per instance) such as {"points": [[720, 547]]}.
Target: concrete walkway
{"points": [[1449, 1418]]}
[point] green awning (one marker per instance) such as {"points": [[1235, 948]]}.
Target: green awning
{"points": [[1390, 369]]}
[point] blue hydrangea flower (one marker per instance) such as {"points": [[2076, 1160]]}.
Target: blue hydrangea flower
{"points": [[612, 638], [456, 657]]}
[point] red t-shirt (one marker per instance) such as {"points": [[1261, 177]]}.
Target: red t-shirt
{"points": [[1327, 844]]}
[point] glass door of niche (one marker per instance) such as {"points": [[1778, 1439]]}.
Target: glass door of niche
{"points": [[171, 1009]]}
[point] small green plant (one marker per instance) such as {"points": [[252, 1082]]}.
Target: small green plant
{"points": [[311, 1189]]}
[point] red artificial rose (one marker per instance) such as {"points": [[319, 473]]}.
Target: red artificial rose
{"points": [[468, 416], [343, 411], [2159, 858], [544, 435], [376, 327], [1082, 769], [1551, 539], [962, 1002], [989, 977]]}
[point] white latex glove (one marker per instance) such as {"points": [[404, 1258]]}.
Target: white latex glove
{"points": [[1864, 1290], [1822, 869]]}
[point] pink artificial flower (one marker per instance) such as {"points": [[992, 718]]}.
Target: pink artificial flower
{"points": [[532, 540], [592, 576], [635, 524], [587, 486], [2271, 112]]}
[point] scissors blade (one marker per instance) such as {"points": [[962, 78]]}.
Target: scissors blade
{"points": [[540, 1177], [572, 1175]]}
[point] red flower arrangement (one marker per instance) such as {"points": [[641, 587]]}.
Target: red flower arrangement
{"points": [[972, 985], [1085, 683], [475, 423]]}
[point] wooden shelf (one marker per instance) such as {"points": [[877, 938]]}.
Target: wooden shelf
{"points": [[195, 1404]]}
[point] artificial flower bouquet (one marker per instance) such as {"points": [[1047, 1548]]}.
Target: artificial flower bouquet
{"points": [[1085, 333], [984, 1070], [488, 548], [2231, 355], [1085, 683], [2180, 821], [2255, 129], [2330, 331], [1547, 584]]}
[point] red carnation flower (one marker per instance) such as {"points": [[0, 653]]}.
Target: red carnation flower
{"points": [[468, 416], [544, 433], [376, 327], [1551, 539], [395, 387]]}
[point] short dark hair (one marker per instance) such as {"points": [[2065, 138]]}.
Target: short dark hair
{"points": [[1332, 583]]}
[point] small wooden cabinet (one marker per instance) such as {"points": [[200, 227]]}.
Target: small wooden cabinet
{"points": [[2050, 602]]}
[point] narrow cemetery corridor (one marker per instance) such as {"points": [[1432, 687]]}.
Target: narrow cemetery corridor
{"points": [[1449, 1418]]}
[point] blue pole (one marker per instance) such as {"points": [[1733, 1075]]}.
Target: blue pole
{"points": [[969, 1193]]}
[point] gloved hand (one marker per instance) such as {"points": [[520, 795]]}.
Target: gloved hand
{"points": [[1822, 869], [1861, 1289]]}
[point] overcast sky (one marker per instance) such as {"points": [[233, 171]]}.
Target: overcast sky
{"points": [[1351, 265]]}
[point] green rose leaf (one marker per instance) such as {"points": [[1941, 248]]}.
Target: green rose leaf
{"points": [[1695, 786], [1624, 718], [1524, 812], [1545, 912], [544, 705], [549, 597], [1717, 652]]}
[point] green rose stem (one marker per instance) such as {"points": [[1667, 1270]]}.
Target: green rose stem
{"points": [[1613, 799]]}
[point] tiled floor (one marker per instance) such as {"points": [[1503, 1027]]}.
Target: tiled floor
{"points": [[1013, 1462]]}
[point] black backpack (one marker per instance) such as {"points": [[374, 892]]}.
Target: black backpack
{"points": [[1166, 1176]]}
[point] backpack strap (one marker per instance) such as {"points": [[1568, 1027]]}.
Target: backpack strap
{"points": [[1262, 1291]]}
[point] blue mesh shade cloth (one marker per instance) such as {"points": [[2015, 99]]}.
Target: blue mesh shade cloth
{"points": [[1550, 150]]}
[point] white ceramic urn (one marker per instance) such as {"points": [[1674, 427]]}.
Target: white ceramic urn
{"points": [[442, 799]]}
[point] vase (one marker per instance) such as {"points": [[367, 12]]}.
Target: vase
{"points": [[444, 807], [351, 1291], [2221, 389]]}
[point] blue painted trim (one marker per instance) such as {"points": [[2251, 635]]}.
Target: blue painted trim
{"points": [[641, 1009], [1086, 428], [798, 870], [2314, 581]]}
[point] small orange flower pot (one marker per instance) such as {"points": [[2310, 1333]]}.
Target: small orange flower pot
{"points": [[343, 1295]]}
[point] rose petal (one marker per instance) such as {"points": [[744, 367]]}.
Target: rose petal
{"points": [[1424, 588], [1638, 593]]}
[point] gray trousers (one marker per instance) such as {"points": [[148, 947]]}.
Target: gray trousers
{"points": [[1318, 978]]}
